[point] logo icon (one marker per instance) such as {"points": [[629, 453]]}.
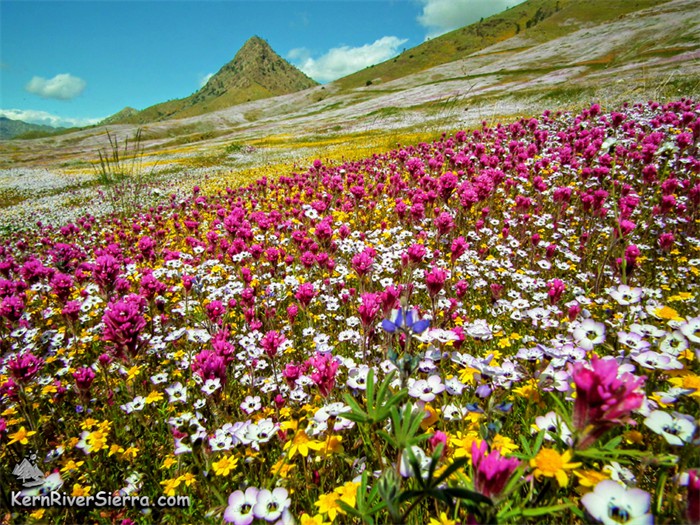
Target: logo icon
{"points": [[28, 473]]}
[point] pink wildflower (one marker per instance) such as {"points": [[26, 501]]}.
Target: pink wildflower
{"points": [[24, 367], [11, 308], [435, 281], [123, 324], [271, 341], [692, 512], [209, 365], [603, 399], [83, 378], [305, 293], [491, 470], [324, 374]]}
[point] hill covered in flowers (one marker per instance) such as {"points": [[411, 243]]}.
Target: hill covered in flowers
{"points": [[501, 325]]}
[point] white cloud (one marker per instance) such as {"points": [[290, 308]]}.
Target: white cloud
{"points": [[203, 80], [61, 87], [441, 16], [47, 119], [341, 61]]}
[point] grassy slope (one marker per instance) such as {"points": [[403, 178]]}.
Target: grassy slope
{"points": [[547, 19]]}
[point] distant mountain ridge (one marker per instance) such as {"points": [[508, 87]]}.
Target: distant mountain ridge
{"points": [[120, 116], [10, 128], [256, 72]]}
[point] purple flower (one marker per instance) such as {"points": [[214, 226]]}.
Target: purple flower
{"points": [[416, 252], [270, 505], [147, 246], [324, 375], [210, 365], [444, 223], [362, 262], [491, 470], [105, 272], [83, 378], [24, 367], [11, 308], [305, 293], [405, 322], [693, 509], [62, 285], [150, 286], [240, 506], [603, 399], [435, 280], [123, 324], [271, 342], [71, 310], [369, 308], [215, 309]]}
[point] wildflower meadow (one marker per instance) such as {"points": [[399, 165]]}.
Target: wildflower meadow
{"points": [[499, 326]]}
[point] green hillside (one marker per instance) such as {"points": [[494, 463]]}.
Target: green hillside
{"points": [[538, 20]]}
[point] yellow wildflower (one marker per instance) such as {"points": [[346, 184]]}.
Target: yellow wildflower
{"points": [[462, 444], [37, 514], [504, 342], [9, 412], [21, 436], [328, 504], [665, 312], [687, 381], [530, 391], [550, 464], [72, 465], [170, 485], [301, 444], [443, 520], [168, 462], [305, 519], [281, 468], [115, 449], [80, 491], [289, 425], [49, 389], [431, 417], [466, 375], [590, 478], [96, 440], [504, 444], [225, 465], [132, 373], [88, 423], [188, 479], [154, 397], [131, 451], [348, 492], [332, 445]]}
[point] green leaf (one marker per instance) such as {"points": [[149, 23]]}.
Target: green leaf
{"points": [[515, 478], [538, 441], [352, 416], [563, 412], [541, 511], [613, 443], [526, 446], [455, 466], [350, 510], [466, 494], [370, 389]]}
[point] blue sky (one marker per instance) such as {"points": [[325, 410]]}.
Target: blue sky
{"points": [[76, 62]]}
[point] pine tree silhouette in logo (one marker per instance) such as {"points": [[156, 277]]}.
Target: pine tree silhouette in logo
{"points": [[28, 473]]}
